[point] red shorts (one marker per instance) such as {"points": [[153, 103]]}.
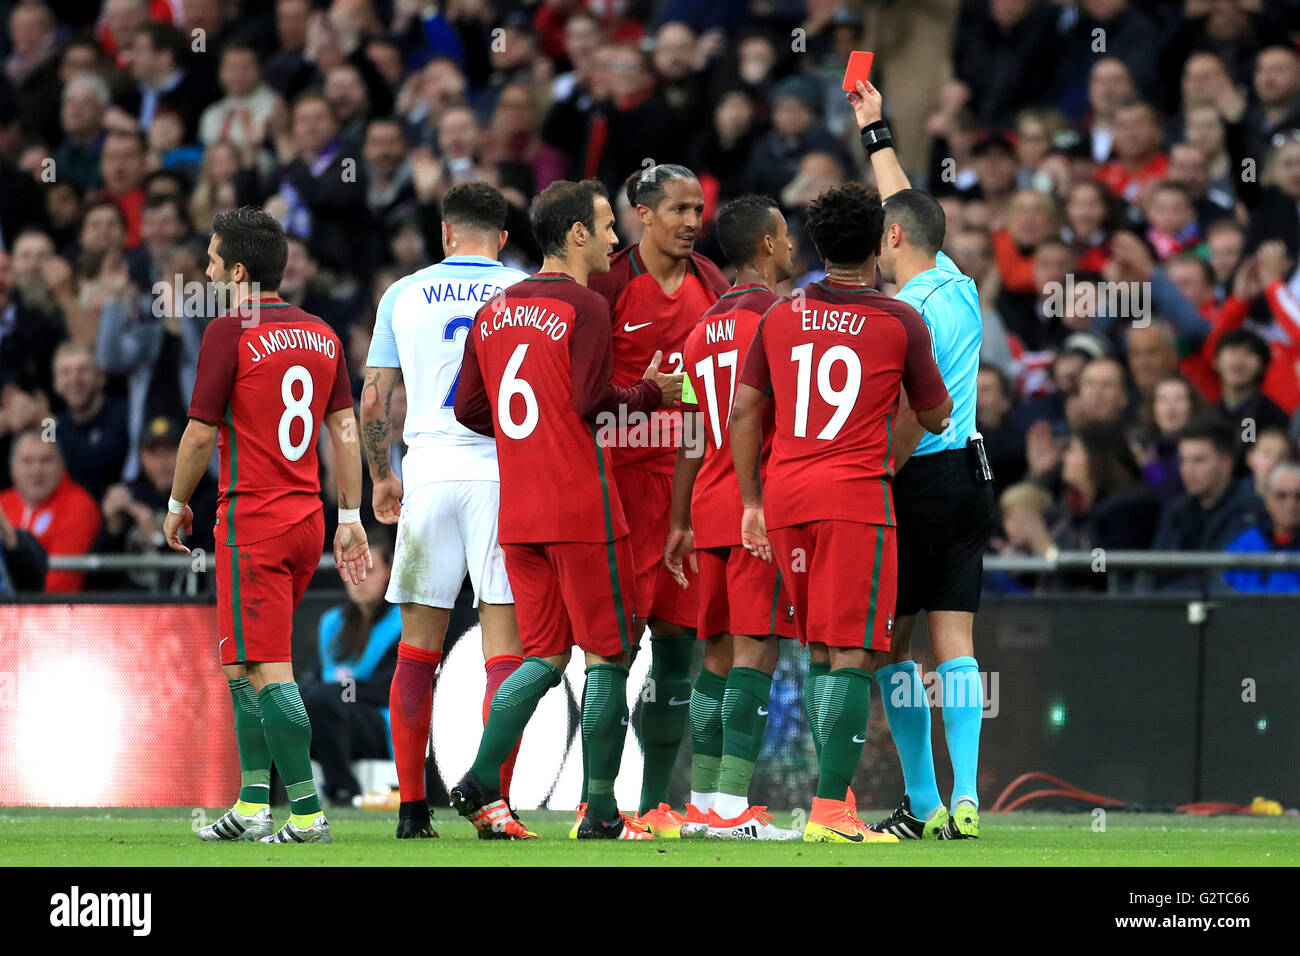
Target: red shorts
{"points": [[647, 498], [572, 593], [739, 594], [843, 577], [258, 587]]}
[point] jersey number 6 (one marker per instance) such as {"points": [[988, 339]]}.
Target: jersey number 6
{"points": [[512, 385]]}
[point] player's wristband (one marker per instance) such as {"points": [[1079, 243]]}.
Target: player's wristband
{"points": [[175, 507], [876, 136], [349, 515]]}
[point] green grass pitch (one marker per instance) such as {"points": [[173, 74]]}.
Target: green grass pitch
{"points": [[163, 837]]}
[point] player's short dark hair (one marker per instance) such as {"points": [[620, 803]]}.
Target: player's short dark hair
{"points": [[921, 217], [845, 223], [1213, 429], [742, 224], [255, 238], [559, 206], [476, 205], [645, 187]]}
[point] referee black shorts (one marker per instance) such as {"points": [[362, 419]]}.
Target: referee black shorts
{"points": [[944, 523]]}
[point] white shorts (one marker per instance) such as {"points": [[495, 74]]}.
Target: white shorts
{"points": [[447, 528]]}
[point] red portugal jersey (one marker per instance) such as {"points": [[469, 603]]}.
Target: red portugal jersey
{"points": [[833, 364], [646, 320], [714, 351], [536, 374], [267, 388]]}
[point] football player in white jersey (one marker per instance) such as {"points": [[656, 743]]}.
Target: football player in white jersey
{"points": [[445, 503]]}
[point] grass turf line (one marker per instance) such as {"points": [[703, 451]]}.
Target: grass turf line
{"points": [[163, 837]]}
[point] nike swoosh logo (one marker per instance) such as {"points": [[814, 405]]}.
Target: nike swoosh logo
{"points": [[859, 740], [626, 722], [633, 328], [762, 711], [674, 702], [222, 641]]}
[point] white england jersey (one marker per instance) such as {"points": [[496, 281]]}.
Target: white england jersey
{"points": [[420, 328]]}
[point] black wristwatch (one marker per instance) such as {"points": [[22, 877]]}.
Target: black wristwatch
{"points": [[876, 136]]}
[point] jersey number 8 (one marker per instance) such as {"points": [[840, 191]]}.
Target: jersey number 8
{"points": [[295, 408]]}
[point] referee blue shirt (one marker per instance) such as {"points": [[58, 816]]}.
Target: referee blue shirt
{"points": [[949, 302]]}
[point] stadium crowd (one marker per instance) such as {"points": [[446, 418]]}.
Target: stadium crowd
{"points": [[1122, 179]]}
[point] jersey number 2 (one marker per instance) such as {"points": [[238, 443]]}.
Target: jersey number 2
{"points": [[448, 335]]}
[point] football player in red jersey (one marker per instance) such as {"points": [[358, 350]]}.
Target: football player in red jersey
{"points": [[657, 290], [743, 608], [537, 376], [830, 360], [268, 374]]}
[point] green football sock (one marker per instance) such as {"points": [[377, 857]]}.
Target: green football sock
{"points": [[254, 754], [664, 715], [288, 736], [512, 706], [812, 688], [584, 744], [706, 730], [744, 718], [846, 700], [604, 730]]}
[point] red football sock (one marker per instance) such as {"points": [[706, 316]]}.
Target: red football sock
{"points": [[498, 669], [410, 707]]}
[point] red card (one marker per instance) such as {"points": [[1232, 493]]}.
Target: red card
{"points": [[858, 69]]}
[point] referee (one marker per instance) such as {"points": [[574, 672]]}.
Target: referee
{"points": [[943, 500]]}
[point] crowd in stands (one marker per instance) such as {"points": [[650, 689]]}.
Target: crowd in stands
{"points": [[1121, 178]]}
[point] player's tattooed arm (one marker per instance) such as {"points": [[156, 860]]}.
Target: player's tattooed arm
{"points": [[377, 419]]}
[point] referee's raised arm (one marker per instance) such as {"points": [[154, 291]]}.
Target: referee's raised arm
{"points": [[868, 107]]}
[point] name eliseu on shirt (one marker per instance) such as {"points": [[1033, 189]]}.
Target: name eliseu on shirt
{"points": [[833, 320]]}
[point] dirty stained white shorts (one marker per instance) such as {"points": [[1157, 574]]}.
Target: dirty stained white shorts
{"points": [[445, 529]]}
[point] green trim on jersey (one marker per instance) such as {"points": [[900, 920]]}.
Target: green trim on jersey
{"points": [[776, 596], [741, 290], [889, 472], [234, 474], [829, 288], [636, 267], [875, 589], [624, 635], [236, 613]]}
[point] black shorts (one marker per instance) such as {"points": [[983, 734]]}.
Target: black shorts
{"points": [[944, 524]]}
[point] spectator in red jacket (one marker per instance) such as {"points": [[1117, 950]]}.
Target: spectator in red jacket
{"points": [[58, 512], [1138, 160]]}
